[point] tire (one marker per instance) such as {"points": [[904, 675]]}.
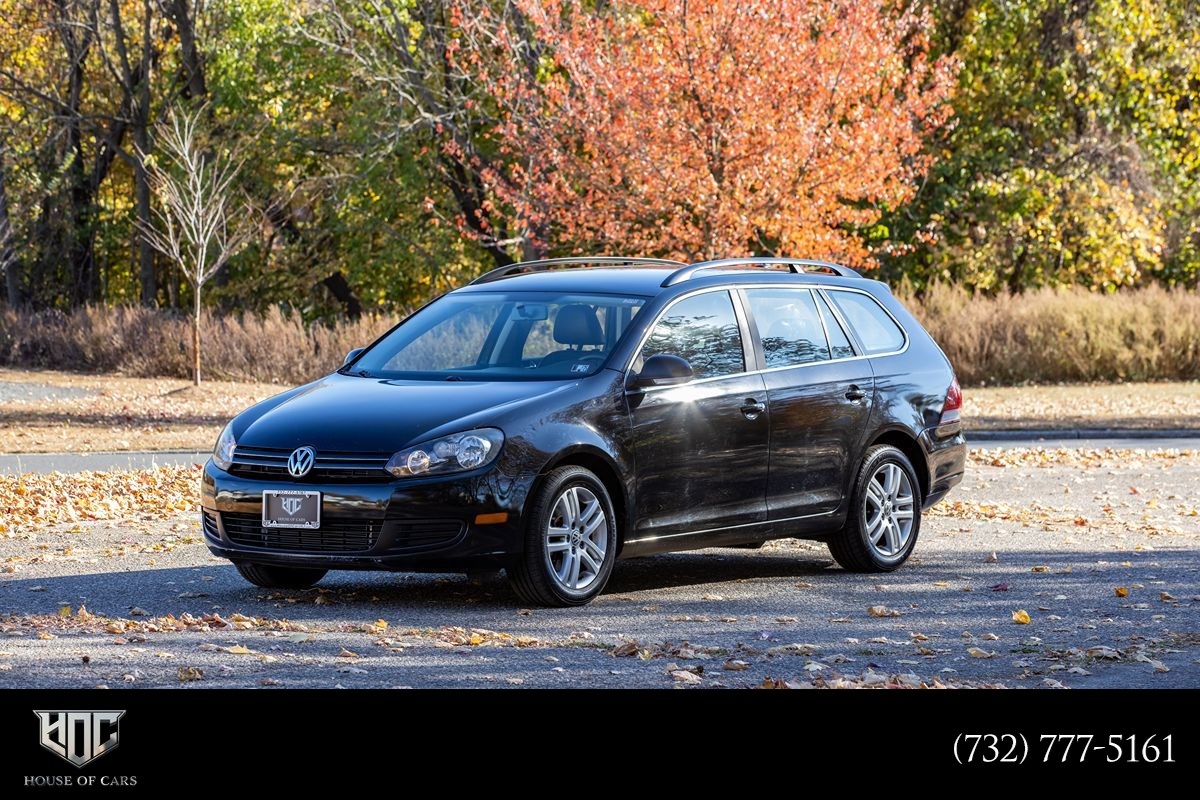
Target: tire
{"points": [[270, 577], [875, 538], [572, 567]]}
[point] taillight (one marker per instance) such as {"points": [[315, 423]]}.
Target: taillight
{"points": [[950, 410]]}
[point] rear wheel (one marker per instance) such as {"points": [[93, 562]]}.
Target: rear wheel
{"points": [[272, 577], [570, 541], [885, 514]]}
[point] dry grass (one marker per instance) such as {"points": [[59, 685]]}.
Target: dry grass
{"points": [[1065, 335], [141, 342], [121, 413], [1048, 336]]}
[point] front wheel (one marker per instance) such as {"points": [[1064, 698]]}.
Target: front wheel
{"points": [[570, 541], [272, 577], [885, 514]]}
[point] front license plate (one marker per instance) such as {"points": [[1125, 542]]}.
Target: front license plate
{"points": [[291, 508]]}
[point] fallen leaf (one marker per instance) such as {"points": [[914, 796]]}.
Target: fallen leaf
{"points": [[1121, 591], [1040, 569], [237, 650], [684, 676], [190, 674], [1166, 597], [999, 587], [882, 611], [992, 559], [1158, 665], [975, 652], [1021, 617], [627, 649], [735, 665], [347, 654]]}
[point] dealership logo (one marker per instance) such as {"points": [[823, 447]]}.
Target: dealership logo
{"points": [[291, 505], [300, 462], [79, 736]]}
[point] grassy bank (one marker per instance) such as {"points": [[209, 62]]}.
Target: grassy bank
{"points": [[1048, 336]]}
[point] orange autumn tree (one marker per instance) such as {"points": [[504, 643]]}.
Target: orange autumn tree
{"points": [[705, 129]]}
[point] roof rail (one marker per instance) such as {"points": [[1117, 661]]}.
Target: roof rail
{"points": [[544, 264], [795, 265]]}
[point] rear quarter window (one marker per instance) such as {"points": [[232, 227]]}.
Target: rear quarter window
{"points": [[876, 329]]}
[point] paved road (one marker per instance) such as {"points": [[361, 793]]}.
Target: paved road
{"points": [[16, 463], [13, 463], [1064, 539]]}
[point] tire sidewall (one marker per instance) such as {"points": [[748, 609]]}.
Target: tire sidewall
{"points": [[887, 455], [536, 535]]}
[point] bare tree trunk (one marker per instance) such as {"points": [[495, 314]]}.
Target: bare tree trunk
{"points": [[196, 337], [193, 69], [141, 139], [8, 255], [137, 88]]}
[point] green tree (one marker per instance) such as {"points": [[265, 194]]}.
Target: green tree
{"points": [[1075, 156]]}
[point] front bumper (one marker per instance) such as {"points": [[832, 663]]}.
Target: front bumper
{"points": [[410, 525]]}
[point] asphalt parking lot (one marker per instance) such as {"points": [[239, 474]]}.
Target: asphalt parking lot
{"points": [[1101, 552]]}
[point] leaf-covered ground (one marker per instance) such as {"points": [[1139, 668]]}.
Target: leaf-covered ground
{"points": [[94, 413], [1047, 569], [1128, 406], [62, 412]]}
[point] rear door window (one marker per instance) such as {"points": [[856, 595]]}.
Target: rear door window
{"points": [[789, 327], [876, 329], [838, 343]]}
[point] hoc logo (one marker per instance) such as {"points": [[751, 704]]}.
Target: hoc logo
{"points": [[291, 504], [79, 736]]}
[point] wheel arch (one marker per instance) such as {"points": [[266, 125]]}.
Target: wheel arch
{"points": [[906, 443]]}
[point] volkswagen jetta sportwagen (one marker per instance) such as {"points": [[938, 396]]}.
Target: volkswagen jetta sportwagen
{"points": [[555, 416]]}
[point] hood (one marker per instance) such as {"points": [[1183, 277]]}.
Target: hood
{"points": [[369, 415]]}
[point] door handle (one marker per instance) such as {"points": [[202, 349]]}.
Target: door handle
{"points": [[751, 408], [854, 393]]}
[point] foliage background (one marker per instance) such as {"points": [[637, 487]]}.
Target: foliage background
{"points": [[395, 148]]}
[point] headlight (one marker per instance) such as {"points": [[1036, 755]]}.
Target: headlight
{"points": [[455, 453], [223, 453]]}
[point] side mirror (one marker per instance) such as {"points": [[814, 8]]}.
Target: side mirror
{"points": [[353, 354], [664, 370]]}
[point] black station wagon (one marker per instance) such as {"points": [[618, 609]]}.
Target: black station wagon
{"points": [[555, 416]]}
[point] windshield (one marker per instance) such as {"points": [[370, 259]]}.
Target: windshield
{"points": [[503, 336]]}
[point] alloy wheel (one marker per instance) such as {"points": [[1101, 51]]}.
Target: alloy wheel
{"points": [[889, 511], [576, 538]]}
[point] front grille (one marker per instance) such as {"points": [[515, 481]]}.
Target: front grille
{"points": [[329, 466], [336, 534], [411, 535], [209, 521]]}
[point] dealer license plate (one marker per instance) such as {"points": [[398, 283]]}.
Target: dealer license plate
{"points": [[291, 508]]}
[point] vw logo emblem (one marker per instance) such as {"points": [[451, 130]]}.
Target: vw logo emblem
{"points": [[301, 461]]}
